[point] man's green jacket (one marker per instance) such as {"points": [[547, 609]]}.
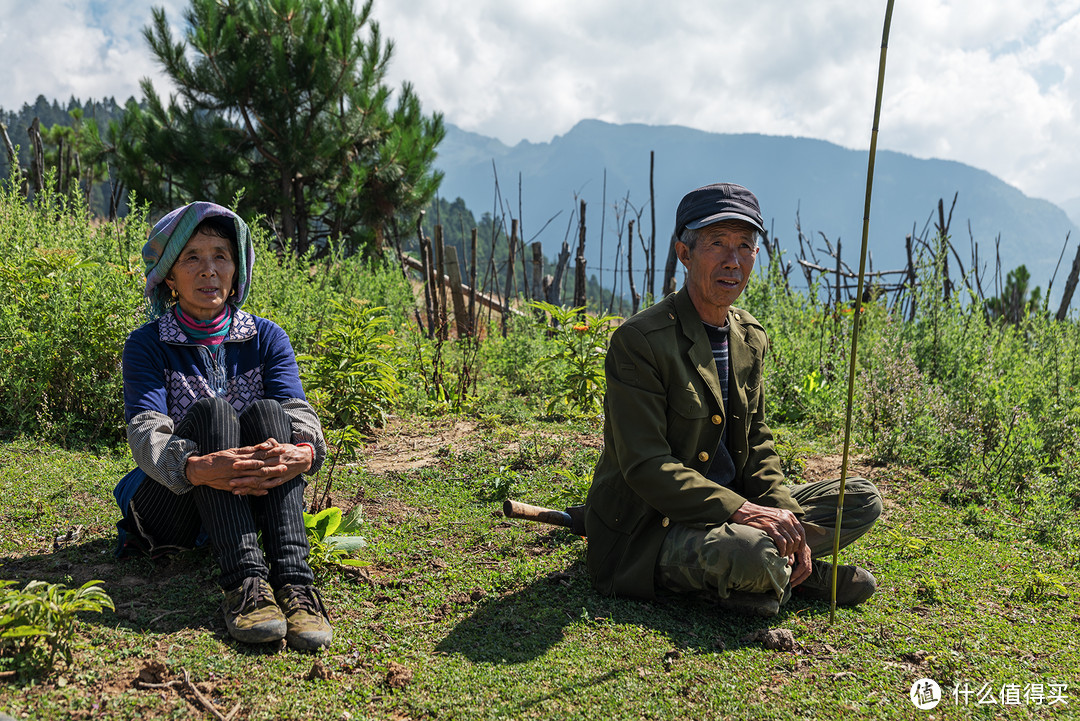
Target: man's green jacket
{"points": [[664, 418]]}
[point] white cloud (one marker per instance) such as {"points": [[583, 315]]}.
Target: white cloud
{"points": [[61, 48], [993, 83], [990, 83]]}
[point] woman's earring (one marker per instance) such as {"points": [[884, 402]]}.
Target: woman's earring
{"points": [[232, 292], [175, 295]]}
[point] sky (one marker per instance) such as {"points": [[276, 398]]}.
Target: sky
{"points": [[991, 83]]}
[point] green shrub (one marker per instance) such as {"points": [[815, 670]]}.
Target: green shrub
{"points": [[39, 622], [70, 292], [298, 293], [352, 377], [576, 355], [515, 360], [333, 538]]}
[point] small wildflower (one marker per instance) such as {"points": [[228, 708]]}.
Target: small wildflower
{"points": [[581, 328]]}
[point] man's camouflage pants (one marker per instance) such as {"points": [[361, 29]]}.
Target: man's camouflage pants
{"points": [[732, 557]]}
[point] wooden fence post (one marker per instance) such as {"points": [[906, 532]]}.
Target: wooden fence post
{"points": [[428, 264], [669, 267], [554, 291], [440, 271], [650, 285], [579, 261], [453, 272], [472, 283], [37, 158], [526, 293], [1070, 287], [13, 159], [537, 270], [512, 248], [912, 280]]}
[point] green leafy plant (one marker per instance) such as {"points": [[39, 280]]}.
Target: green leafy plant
{"points": [[333, 537], [352, 375], [1041, 587], [502, 482], [39, 622], [580, 346], [352, 379]]}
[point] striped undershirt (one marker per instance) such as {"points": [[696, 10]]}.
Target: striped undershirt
{"points": [[722, 469]]}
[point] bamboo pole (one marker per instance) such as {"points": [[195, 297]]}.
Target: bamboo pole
{"points": [[858, 306], [651, 285]]}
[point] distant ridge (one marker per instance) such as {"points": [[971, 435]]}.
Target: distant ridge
{"points": [[821, 182], [1072, 207]]}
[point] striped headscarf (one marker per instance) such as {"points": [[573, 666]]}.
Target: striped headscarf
{"points": [[169, 236]]}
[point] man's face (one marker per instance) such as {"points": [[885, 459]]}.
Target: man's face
{"points": [[718, 267]]}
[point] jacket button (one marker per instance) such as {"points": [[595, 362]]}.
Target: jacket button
{"points": [[738, 317], [717, 420], [703, 456], [665, 522]]}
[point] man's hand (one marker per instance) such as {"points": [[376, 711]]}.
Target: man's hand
{"points": [[800, 565], [782, 525]]}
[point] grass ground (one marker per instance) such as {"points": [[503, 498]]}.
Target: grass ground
{"points": [[463, 614]]}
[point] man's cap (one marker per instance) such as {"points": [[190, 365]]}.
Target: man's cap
{"points": [[713, 203]]}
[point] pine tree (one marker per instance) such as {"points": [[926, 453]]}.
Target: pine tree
{"points": [[286, 101]]}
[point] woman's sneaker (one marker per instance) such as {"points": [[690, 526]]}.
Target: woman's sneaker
{"points": [[308, 622], [251, 615]]}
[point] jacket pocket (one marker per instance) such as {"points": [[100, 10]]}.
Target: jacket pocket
{"points": [[687, 416], [685, 401], [620, 510]]}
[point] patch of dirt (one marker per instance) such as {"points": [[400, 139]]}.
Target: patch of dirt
{"points": [[403, 446], [774, 639], [319, 671], [398, 676], [822, 468], [461, 598], [388, 509], [827, 467]]}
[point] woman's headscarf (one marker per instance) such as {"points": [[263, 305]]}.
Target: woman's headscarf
{"points": [[169, 236]]}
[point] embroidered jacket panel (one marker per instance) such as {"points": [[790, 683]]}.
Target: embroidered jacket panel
{"points": [[164, 374]]}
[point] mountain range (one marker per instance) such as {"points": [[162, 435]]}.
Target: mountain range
{"points": [[815, 183]]}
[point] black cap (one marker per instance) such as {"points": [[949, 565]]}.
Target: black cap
{"points": [[716, 202]]}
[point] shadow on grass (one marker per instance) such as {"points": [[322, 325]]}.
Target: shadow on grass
{"points": [[159, 596], [521, 626]]}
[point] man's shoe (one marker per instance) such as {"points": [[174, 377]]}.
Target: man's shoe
{"points": [[251, 615], [853, 584], [763, 605], [309, 624]]}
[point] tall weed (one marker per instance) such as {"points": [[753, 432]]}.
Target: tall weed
{"points": [[69, 295]]}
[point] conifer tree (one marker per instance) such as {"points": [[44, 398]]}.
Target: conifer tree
{"points": [[285, 100]]}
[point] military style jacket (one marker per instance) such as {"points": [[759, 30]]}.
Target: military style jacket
{"points": [[664, 418]]}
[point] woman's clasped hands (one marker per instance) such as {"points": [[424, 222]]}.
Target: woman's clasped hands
{"points": [[251, 470]]}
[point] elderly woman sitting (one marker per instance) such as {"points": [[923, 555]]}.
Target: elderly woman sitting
{"points": [[221, 431]]}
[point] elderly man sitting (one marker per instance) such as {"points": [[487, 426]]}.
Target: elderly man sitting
{"points": [[688, 495]]}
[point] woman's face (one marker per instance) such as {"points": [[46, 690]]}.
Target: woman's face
{"points": [[203, 276]]}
